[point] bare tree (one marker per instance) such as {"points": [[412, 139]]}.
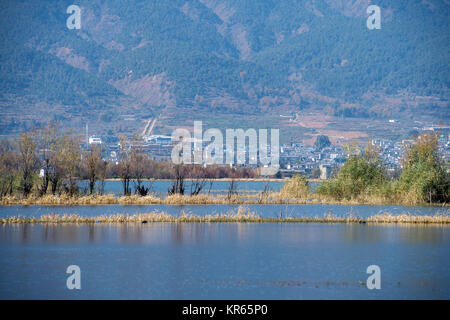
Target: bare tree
{"points": [[56, 170], [211, 182], [91, 164], [178, 184], [46, 141], [125, 168], [232, 189], [139, 162], [102, 173], [198, 180], [8, 168], [27, 161], [71, 159], [263, 196]]}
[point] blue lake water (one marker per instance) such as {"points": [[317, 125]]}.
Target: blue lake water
{"points": [[224, 261], [160, 187]]}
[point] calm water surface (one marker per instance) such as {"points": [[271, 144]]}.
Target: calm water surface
{"points": [[160, 187], [224, 261]]}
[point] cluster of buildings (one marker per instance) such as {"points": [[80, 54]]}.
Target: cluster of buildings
{"points": [[307, 160], [158, 147], [294, 157], [298, 158], [392, 152]]}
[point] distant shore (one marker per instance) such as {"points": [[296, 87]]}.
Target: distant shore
{"points": [[222, 179]]}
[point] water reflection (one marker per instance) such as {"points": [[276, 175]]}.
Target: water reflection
{"points": [[224, 260], [180, 234]]}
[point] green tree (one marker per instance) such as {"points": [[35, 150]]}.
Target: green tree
{"points": [[322, 142], [361, 174], [424, 178]]}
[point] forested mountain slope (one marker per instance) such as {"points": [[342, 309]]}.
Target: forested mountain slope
{"points": [[144, 58]]}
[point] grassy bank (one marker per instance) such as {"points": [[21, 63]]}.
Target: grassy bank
{"points": [[177, 199], [243, 215]]}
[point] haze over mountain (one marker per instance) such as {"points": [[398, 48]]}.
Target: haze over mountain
{"points": [[141, 59]]}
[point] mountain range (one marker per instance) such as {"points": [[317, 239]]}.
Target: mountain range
{"points": [[177, 60]]}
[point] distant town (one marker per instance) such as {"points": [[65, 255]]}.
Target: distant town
{"points": [[319, 162]]}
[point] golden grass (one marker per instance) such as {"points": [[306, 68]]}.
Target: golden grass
{"points": [[296, 187], [135, 199], [407, 218], [60, 200], [198, 199], [83, 200], [242, 215], [177, 199]]}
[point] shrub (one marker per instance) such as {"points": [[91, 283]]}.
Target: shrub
{"points": [[423, 178], [296, 187], [360, 175]]}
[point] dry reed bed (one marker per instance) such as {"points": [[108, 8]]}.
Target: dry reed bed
{"points": [[242, 215], [177, 199]]}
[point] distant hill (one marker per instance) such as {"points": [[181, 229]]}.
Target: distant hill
{"points": [[142, 59]]}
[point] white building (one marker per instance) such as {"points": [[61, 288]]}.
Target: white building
{"points": [[324, 172], [95, 140], [159, 139]]}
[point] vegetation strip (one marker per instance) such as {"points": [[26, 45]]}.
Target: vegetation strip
{"points": [[241, 216], [177, 199], [363, 179]]}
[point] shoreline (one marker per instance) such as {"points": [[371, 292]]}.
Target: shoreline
{"points": [[221, 179]]}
